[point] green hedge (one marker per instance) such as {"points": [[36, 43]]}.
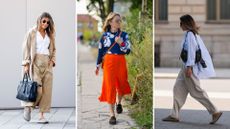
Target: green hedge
{"points": [[140, 62]]}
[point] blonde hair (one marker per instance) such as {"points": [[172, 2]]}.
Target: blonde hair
{"points": [[50, 29], [106, 27]]}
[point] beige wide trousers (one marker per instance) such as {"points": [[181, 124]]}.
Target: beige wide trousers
{"points": [[191, 85], [43, 75]]}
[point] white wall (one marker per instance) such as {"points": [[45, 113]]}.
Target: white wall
{"points": [[16, 18]]}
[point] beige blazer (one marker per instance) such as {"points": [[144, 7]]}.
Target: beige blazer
{"points": [[29, 49]]}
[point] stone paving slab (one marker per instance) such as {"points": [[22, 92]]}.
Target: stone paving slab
{"points": [[59, 118], [91, 113], [191, 119]]}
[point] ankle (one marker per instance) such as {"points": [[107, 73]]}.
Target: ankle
{"points": [[113, 114], [42, 118], [28, 107], [215, 113]]}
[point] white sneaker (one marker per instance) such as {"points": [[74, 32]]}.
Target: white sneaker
{"points": [[43, 121], [27, 113]]}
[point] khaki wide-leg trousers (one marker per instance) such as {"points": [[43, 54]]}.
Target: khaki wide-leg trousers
{"points": [[43, 75], [185, 85]]}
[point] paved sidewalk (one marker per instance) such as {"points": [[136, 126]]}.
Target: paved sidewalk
{"points": [[91, 113], [193, 114], [59, 118], [191, 119]]}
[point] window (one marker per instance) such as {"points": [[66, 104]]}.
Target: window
{"points": [[90, 25], [161, 10], [218, 10], [79, 25]]}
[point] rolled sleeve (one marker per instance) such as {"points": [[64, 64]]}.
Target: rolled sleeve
{"points": [[53, 57], [26, 50]]}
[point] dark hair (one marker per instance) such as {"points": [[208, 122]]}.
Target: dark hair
{"points": [[188, 22], [50, 29]]}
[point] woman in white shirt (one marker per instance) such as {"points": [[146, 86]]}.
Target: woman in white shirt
{"points": [[193, 69], [38, 59]]}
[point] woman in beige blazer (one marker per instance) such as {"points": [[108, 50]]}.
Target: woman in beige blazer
{"points": [[38, 60]]}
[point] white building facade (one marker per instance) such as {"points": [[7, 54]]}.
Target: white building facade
{"points": [[213, 17], [17, 17]]}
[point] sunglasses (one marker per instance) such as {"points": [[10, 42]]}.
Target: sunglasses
{"points": [[118, 21], [47, 22]]}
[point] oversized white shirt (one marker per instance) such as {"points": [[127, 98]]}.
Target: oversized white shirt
{"points": [[191, 45], [42, 44]]}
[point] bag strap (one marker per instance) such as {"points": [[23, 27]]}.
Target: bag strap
{"points": [[195, 38], [197, 42], [113, 43], [26, 76]]}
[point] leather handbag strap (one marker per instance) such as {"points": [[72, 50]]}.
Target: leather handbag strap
{"points": [[113, 43], [26, 77]]}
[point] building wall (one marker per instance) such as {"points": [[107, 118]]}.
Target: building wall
{"points": [[169, 35], [16, 18], [86, 24]]}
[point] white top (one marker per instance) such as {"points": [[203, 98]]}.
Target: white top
{"points": [[191, 45], [42, 44]]}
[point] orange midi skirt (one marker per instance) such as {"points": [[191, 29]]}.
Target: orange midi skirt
{"points": [[115, 78]]}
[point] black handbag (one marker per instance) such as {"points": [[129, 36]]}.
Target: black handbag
{"points": [[27, 89], [198, 57], [184, 55]]}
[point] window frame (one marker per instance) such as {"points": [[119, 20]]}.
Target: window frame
{"points": [[218, 20], [156, 12]]}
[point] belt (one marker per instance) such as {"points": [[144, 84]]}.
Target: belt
{"points": [[109, 52]]}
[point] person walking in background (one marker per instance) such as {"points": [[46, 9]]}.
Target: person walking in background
{"points": [[38, 59], [113, 45], [197, 64]]}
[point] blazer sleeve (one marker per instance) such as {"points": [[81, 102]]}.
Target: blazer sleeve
{"points": [[26, 58], [53, 57]]}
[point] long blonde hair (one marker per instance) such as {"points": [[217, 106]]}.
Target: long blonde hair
{"points": [[106, 27], [50, 30]]}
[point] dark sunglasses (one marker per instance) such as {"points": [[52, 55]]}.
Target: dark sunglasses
{"points": [[118, 21], [44, 21]]}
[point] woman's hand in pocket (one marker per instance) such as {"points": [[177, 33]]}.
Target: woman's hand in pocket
{"points": [[26, 68], [51, 63], [188, 71]]}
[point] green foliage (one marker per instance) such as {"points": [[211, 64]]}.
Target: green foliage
{"points": [[140, 62], [102, 7], [87, 35], [136, 4]]}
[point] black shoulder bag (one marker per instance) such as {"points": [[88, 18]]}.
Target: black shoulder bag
{"points": [[198, 58]]}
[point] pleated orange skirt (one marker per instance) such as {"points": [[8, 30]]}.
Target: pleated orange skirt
{"points": [[115, 78]]}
